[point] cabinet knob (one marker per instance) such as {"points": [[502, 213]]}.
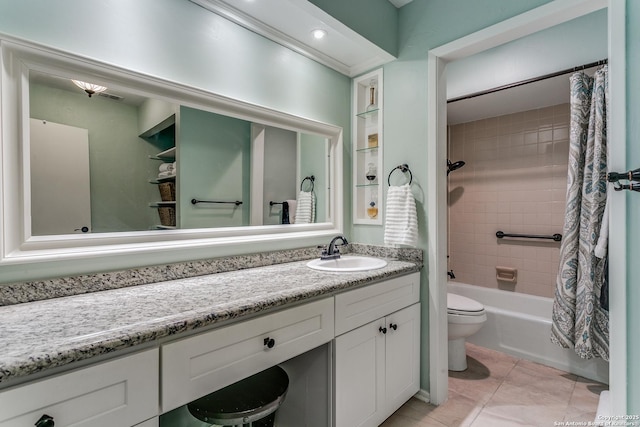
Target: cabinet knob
{"points": [[383, 330], [269, 342], [45, 421], [393, 326]]}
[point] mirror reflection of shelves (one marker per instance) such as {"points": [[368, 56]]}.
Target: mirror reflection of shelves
{"points": [[367, 148], [162, 135]]}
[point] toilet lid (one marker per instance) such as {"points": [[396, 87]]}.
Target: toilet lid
{"points": [[457, 304]]}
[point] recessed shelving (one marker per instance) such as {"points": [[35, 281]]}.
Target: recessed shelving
{"points": [[367, 148]]}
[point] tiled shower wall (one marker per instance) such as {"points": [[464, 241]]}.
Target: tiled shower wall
{"points": [[514, 180]]}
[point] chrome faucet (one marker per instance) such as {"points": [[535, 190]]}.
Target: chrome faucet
{"points": [[332, 252]]}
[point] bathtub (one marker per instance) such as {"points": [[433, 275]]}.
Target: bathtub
{"points": [[520, 325]]}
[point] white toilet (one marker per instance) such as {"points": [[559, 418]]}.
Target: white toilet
{"points": [[465, 317]]}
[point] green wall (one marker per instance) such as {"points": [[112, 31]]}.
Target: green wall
{"points": [[312, 148], [119, 166], [213, 164]]}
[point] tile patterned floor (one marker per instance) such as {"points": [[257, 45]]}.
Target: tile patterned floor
{"points": [[500, 390]]}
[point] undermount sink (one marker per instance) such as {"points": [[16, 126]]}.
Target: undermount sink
{"points": [[347, 264]]}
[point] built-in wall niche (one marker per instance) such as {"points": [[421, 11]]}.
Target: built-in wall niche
{"points": [[132, 128], [307, 401], [368, 174]]}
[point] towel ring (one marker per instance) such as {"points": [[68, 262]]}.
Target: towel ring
{"points": [[403, 168], [310, 178]]}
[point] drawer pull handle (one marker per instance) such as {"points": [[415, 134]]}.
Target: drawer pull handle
{"points": [[392, 326], [383, 330], [45, 421], [269, 342]]}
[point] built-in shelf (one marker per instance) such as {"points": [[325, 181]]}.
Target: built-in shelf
{"points": [[161, 204], [163, 179], [166, 227], [167, 210], [367, 148], [370, 113]]}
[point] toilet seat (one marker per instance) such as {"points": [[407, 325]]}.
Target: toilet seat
{"points": [[463, 306]]}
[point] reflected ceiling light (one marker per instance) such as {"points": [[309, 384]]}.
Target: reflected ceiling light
{"points": [[318, 34], [90, 88]]}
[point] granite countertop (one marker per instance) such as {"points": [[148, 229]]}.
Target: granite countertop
{"points": [[44, 334]]}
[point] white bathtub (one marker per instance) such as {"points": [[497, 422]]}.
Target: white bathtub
{"points": [[520, 325]]}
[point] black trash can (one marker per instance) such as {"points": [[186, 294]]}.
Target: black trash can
{"points": [[251, 402]]}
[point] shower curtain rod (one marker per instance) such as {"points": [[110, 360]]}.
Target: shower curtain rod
{"points": [[531, 80]]}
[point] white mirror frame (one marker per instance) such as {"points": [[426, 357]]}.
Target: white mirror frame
{"points": [[17, 246]]}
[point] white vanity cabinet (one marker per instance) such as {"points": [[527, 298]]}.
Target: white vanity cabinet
{"points": [[377, 366], [120, 392], [199, 365]]}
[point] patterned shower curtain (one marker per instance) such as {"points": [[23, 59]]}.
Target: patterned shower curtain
{"points": [[579, 320]]}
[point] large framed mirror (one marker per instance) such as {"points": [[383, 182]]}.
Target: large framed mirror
{"points": [[99, 159]]}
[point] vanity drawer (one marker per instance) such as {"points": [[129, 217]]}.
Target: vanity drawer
{"points": [[120, 392], [199, 365], [361, 306]]}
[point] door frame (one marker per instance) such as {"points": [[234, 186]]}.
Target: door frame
{"points": [[546, 16]]}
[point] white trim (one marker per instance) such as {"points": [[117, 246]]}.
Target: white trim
{"points": [[222, 8], [18, 247], [257, 174], [618, 255], [423, 395], [437, 229], [543, 17]]}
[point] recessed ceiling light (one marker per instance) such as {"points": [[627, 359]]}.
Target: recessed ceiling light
{"points": [[318, 34]]}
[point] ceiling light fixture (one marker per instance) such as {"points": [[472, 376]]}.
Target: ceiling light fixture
{"points": [[90, 88], [318, 34]]}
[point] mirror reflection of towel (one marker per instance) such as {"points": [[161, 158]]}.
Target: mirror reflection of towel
{"points": [[401, 219], [306, 208], [293, 206], [285, 213]]}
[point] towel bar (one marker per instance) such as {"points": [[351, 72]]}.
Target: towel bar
{"points": [[196, 201], [556, 237]]}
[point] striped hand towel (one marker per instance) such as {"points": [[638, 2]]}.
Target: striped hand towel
{"points": [[401, 219], [306, 208]]}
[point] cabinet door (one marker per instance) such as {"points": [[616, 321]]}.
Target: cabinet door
{"points": [[359, 376], [402, 357], [120, 392]]}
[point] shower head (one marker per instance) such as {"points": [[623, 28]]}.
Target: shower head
{"points": [[454, 166]]}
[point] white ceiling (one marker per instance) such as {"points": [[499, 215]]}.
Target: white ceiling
{"points": [[290, 22]]}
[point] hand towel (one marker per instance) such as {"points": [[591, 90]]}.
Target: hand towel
{"points": [[306, 208], [285, 213], [166, 174], [401, 219], [166, 167], [293, 205]]}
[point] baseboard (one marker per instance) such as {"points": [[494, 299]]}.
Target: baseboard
{"points": [[423, 395], [603, 415]]}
